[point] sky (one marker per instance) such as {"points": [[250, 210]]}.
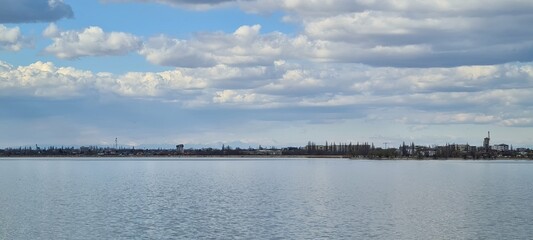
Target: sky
{"points": [[265, 72]]}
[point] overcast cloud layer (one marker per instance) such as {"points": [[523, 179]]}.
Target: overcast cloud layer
{"points": [[415, 65]]}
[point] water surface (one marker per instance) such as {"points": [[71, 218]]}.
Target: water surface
{"points": [[264, 198]]}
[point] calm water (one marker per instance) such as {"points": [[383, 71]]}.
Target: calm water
{"points": [[266, 199]]}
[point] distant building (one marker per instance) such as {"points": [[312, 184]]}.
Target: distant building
{"points": [[269, 152], [486, 143], [522, 149], [473, 148], [431, 152], [180, 148], [501, 147], [316, 147], [84, 149], [460, 147]]}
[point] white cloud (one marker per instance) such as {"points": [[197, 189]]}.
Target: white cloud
{"points": [[91, 41], [173, 52], [245, 99], [396, 33], [376, 27], [296, 80], [44, 79], [148, 84], [234, 96], [313, 8], [453, 118], [52, 31], [497, 94], [245, 46], [190, 4], [518, 122], [11, 39], [410, 33], [372, 38]]}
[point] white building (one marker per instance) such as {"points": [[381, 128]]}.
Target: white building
{"points": [[501, 147]]}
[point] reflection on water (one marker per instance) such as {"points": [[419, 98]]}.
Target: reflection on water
{"points": [[273, 198]]}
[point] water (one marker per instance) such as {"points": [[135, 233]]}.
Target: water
{"points": [[265, 199]]}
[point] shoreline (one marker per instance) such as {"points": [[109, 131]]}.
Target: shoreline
{"points": [[186, 156], [254, 157]]}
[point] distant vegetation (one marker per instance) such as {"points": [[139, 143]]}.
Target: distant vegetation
{"points": [[348, 150]]}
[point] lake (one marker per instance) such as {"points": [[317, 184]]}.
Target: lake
{"points": [[111, 198]]}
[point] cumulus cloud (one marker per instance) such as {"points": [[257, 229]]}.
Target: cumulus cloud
{"points": [[20, 11], [233, 96], [173, 52], [245, 46], [161, 84], [11, 39], [376, 39], [496, 94], [379, 33], [410, 62], [395, 33], [43, 79], [91, 41], [192, 4]]}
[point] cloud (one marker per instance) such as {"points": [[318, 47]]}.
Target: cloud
{"points": [[234, 96], [439, 39], [137, 84], [496, 94], [172, 52], [296, 78], [11, 39], [91, 41], [191, 4], [22, 11], [245, 46], [43, 79], [518, 122], [449, 118], [401, 33], [388, 33], [316, 8], [52, 31], [371, 38]]}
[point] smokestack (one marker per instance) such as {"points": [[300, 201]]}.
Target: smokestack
{"points": [[489, 134]]}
